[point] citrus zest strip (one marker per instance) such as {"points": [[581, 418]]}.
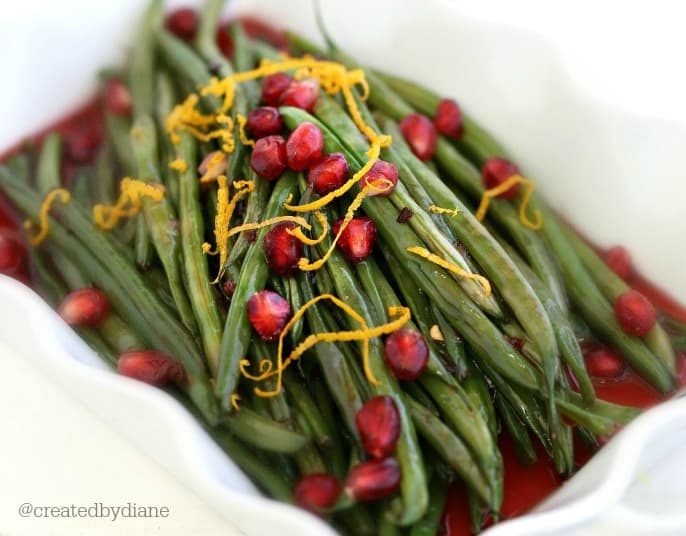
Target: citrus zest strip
{"points": [[529, 185], [363, 334], [304, 263], [179, 165], [426, 254], [64, 197], [130, 202], [441, 210], [241, 131]]}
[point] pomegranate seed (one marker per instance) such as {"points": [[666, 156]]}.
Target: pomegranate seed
{"points": [[406, 354], [229, 287], [268, 313], [329, 174], [117, 98], [81, 144], [373, 479], [151, 366], [84, 307], [378, 177], [213, 165], [420, 133], [11, 253], [283, 251], [619, 261], [515, 342], [496, 171], [264, 121], [304, 146], [635, 313], [448, 118], [224, 42], [257, 29], [301, 94], [602, 362], [183, 23], [316, 491], [268, 158], [273, 87], [378, 423], [357, 239]]}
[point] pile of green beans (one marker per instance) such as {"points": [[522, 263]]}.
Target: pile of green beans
{"points": [[550, 289]]}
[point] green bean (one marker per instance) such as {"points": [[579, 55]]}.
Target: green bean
{"points": [[160, 218], [466, 317], [472, 428], [48, 171], [261, 473], [564, 331], [430, 524], [524, 448], [598, 312], [375, 281], [244, 60], [612, 286], [450, 447], [495, 262], [333, 451], [332, 362], [476, 388], [254, 273], [475, 141], [275, 484], [295, 299], [383, 97], [111, 327], [264, 433], [338, 122], [207, 45], [20, 164], [95, 253], [182, 59], [141, 77], [166, 99], [387, 527], [453, 344], [118, 129], [102, 185], [141, 82], [257, 200], [413, 485], [200, 293], [357, 520]]}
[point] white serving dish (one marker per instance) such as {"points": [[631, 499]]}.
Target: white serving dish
{"points": [[612, 165]]}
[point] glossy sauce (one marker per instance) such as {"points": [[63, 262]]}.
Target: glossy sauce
{"points": [[525, 486]]}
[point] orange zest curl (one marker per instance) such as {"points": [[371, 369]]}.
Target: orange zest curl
{"points": [[266, 368], [222, 221], [440, 210], [179, 165], [535, 224], [304, 263], [235, 398], [130, 202], [37, 238], [241, 131], [426, 254]]}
